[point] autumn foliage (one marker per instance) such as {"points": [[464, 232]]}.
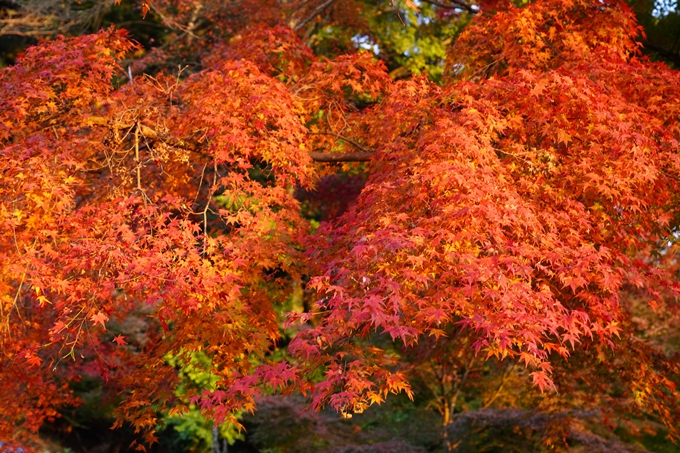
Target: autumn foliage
{"points": [[508, 215]]}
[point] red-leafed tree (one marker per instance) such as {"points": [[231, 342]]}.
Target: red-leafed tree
{"points": [[509, 214]]}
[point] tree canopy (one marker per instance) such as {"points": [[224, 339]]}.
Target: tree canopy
{"points": [[345, 199]]}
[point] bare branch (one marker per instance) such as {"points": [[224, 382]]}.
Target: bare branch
{"points": [[150, 133], [555, 51], [318, 10]]}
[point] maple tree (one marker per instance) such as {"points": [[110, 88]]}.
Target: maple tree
{"points": [[513, 215]]}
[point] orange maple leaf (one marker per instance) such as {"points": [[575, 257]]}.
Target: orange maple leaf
{"points": [[99, 318]]}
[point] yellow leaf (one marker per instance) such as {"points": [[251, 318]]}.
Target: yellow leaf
{"points": [[42, 300], [563, 137]]}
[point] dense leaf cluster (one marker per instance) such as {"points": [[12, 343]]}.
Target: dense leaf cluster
{"points": [[494, 239]]}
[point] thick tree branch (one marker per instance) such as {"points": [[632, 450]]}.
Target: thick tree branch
{"points": [[342, 137], [453, 5], [666, 54], [318, 10], [341, 157]]}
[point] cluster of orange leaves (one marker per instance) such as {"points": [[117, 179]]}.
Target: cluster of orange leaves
{"points": [[158, 218]]}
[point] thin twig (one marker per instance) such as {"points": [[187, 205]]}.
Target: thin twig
{"points": [[139, 169], [200, 184], [204, 213], [557, 52], [504, 378]]}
